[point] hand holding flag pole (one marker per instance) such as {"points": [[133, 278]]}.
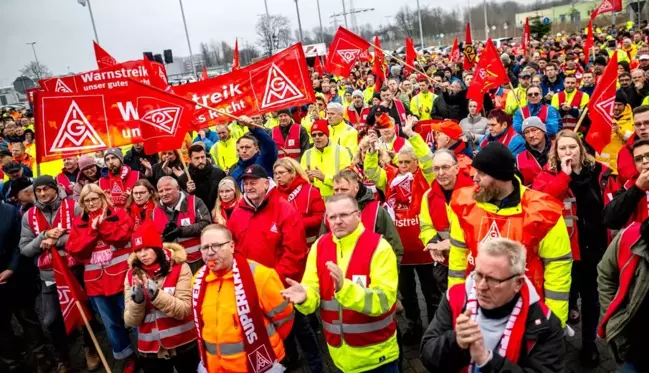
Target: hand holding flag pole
{"points": [[581, 119]]}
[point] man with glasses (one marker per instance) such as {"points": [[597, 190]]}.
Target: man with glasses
{"points": [[518, 97], [496, 321], [626, 167], [180, 217], [268, 229], [229, 284], [499, 206], [351, 277], [547, 113]]}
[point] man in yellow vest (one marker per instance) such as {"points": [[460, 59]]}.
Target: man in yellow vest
{"points": [[340, 132], [368, 93], [570, 102], [422, 104], [224, 152], [518, 96]]}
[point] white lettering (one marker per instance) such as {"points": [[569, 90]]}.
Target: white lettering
{"points": [[407, 222], [128, 111]]}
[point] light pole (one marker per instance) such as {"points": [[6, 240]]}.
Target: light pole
{"points": [[189, 44], [38, 64], [92, 17], [320, 19], [421, 28], [468, 2], [299, 23], [486, 23], [345, 14]]}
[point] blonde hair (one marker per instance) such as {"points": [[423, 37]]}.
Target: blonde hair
{"points": [[94, 188], [292, 166], [585, 159], [216, 211]]}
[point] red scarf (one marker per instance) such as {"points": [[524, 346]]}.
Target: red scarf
{"points": [[287, 191], [260, 356], [151, 270], [93, 215], [136, 212], [116, 184]]}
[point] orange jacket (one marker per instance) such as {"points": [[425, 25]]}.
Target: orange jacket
{"points": [[222, 332]]}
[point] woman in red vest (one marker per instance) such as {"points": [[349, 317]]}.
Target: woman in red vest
{"points": [[576, 178], [158, 295], [100, 236], [141, 202], [228, 197], [293, 185]]}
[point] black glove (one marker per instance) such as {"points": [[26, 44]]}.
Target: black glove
{"points": [[137, 294], [171, 235]]}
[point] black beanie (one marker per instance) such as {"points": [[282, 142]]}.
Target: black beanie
{"points": [[284, 111], [496, 161], [620, 97], [45, 180]]}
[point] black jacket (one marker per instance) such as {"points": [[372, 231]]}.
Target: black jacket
{"points": [[132, 159], [207, 183], [9, 237], [441, 353], [618, 212], [447, 106]]}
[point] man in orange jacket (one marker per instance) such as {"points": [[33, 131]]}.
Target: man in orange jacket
{"points": [[240, 315]]}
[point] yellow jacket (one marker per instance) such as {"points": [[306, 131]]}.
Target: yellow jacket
{"points": [[368, 93], [224, 153], [422, 104], [569, 95], [271, 123], [344, 135], [329, 160], [619, 137], [554, 251], [631, 52], [374, 301], [511, 105], [237, 131], [427, 230], [378, 175], [621, 55]]}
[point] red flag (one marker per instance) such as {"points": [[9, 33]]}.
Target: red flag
{"points": [[378, 67], [411, 55], [157, 75], [70, 292], [317, 66], [526, 36], [590, 41], [489, 73], [469, 50], [235, 56], [79, 123], [606, 6], [344, 50], [455, 52], [204, 75], [600, 107], [277, 82], [103, 58]]}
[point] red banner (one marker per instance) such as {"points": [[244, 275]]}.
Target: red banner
{"points": [[70, 292], [600, 107], [236, 65], [590, 41], [378, 68], [104, 59], [606, 6], [469, 49], [455, 52], [489, 74], [74, 124], [526, 36], [425, 129], [277, 82], [344, 50], [112, 77], [411, 55]]}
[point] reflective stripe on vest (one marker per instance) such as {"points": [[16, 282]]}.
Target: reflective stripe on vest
{"points": [[185, 218], [156, 335], [336, 152], [224, 349], [339, 329], [568, 120], [289, 147], [113, 261]]}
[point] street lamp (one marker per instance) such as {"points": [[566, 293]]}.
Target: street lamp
{"points": [[189, 44], [299, 23], [92, 18], [38, 65]]}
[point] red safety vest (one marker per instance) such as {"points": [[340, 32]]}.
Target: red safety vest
{"points": [[368, 330], [355, 119], [543, 112], [401, 110], [38, 223], [289, 147], [159, 330], [528, 166], [627, 262], [504, 139], [115, 186], [185, 218], [568, 120], [369, 215], [63, 181], [641, 212], [539, 214]]}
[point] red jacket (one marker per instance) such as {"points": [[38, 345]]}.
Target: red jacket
{"points": [[105, 275], [625, 166], [308, 202], [271, 234]]}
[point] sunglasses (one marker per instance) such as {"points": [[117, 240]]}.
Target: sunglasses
{"points": [[318, 134], [533, 94]]}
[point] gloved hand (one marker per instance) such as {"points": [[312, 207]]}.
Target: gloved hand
{"points": [[152, 289], [137, 294], [171, 235]]}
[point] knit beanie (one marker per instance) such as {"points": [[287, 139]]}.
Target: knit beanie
{"points": [[533, 122], [621, 97], [496, 161], [117, 152], [358, 93], [45, 180], [320, 125], [146, 237], [86, 161]]}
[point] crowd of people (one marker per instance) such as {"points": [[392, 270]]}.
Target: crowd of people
{"points": [[233, 253]]}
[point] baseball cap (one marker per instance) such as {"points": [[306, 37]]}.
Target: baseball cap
{"points": [[524, 74], [11, 167], [644, 57], [450, 128], [254, 171]]}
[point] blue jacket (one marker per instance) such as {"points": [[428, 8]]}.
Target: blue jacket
{"points": [[552, 123], [588, 90], [266, 157], [210, 139], [516, 144], [10, 226], [555, 87]]}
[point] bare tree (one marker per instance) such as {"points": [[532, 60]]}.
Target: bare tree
{"points": [[36, 71], [405, 20], [215, 50], [247, 54], [274, 32], [228, 52], [208, 58]]}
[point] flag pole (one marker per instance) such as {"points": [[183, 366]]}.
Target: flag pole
{"points": [[94, 339], [404, 62], [581, 119], [518, 103], [182, 160]]}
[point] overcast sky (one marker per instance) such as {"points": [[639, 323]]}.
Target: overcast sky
{"points": [[63, 32]]}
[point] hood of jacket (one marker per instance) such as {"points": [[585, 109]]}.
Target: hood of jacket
{"points": [[174, 252], [364, 196]]}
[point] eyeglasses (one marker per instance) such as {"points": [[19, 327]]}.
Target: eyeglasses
{"points": [[445, 168], [280, 173], [91, 200], [214, 247], [640, 157], [491, 281], [641, 124], [342, 216], [533, 94], [318, 134]]}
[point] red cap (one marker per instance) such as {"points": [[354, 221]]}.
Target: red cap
{"points": [[146, 236], [448, 127], [320, 125], [422, 78], [384, 122]]}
